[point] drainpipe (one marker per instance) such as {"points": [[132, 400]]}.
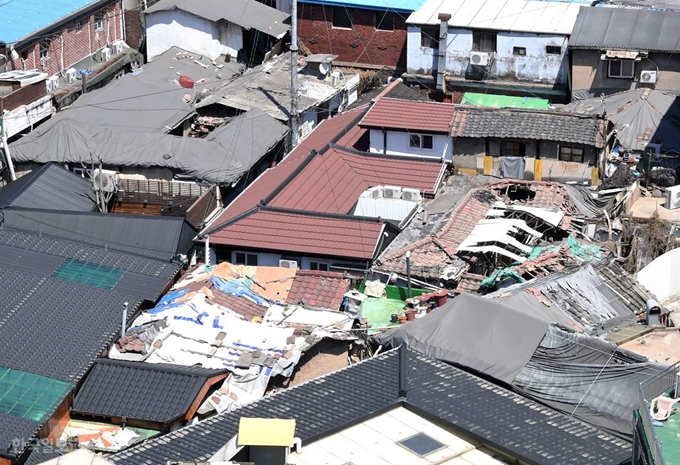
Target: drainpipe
{"points": [[3, 138], [441, 51], [408, 272], [206, 260], [122, 20], [402, 371]]}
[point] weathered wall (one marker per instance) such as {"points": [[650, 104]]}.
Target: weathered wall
{"points": [[363, 44], [536, 66], [398, 144], [69, 45], [133, 22], [165, 29], [589, 72]]}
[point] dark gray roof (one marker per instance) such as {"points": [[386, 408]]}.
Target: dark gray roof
{"points": [[626, 29], [51, 187], [245, 13], [221, 159], [527, 124], [156, 393], [61, 304], [13, 430], [459, 400], [161, 237], [42, 453]]}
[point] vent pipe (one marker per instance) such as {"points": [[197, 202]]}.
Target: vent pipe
{"points": [[402, 371], [441, 51]]}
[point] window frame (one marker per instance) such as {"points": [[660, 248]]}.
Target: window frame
{"points": [[78, 26], [621, 75], [571, 155], [315, 265], [247, 258], [379, 19], [346, 12], [428, 40], [45, 49], [519, 51], [98, 24], [516, 145], [479, 36], [421, 138], [556, 50]]}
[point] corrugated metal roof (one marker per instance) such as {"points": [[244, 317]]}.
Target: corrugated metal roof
{"points": [[50, 187], [501, 15], [21, 18], [405, 6], [627, 29]]}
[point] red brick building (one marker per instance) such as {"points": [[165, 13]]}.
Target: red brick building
{"points": [[364, 33], [52, 44]]}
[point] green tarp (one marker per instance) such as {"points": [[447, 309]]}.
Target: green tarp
{"points": [[30, 396], [503, 101]]}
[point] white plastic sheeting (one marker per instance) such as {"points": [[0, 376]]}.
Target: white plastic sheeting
{"points": [[662, 275]]}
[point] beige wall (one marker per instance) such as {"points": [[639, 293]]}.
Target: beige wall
{"points": [[589, 72]]}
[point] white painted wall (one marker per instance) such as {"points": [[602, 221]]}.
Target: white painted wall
{"points": [[398, 144], [662, 275], [166, 29], [536, 66]]}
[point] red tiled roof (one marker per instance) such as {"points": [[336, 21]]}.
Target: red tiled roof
{"points": [[318, 289], [333, 181], [301, 232], [469, 283], [241, 305], [272, 178], [391, 113]]}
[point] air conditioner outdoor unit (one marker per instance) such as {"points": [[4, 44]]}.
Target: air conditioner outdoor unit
{"points": [[106, 54], [672, 197], [70, 75], [117, 47], [335, 78], [292, 264], [373, 192], [105, 180], [391, 192], [648, 77], [52, 83], [479, 58], [412, 195]]}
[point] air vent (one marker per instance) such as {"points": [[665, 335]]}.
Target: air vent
{"points": [[421, 444]]}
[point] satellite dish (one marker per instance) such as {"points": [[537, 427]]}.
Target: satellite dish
{"points": [[324, 68]]}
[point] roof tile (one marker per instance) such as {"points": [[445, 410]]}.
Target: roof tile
{"points": [[389, 113], [318, 289]]}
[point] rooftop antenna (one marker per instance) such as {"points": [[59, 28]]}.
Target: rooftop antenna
{"points": [[293, 76]]}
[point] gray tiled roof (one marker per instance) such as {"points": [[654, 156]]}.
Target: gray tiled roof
{"points": [[50, 186], [527, 124], [493, 415], [626, 29], [14, 430], [140, 391]]}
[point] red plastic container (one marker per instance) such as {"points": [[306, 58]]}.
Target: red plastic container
{"points": [[186, 82]]}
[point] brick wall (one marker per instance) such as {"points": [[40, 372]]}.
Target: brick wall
{"points": [[77, 44], [362, 44], [133, 28]]}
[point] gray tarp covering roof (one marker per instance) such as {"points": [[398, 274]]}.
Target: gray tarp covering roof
{"points": [[626, 29], [578, 299], [639, 116], [160, 237], [52, 187], [246, 13], [583, 376], [231, 152], [475, 332]]}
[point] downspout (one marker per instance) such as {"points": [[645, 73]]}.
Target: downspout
{"points": [[122, 19], [441, 51], [61, 38]]}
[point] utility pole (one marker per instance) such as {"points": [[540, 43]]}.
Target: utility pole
{"points": [[3, 139], [293, 77]]}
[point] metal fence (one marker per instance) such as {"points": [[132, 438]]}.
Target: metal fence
{"points": [[650, 389]]}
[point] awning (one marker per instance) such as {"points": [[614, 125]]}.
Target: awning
{"points": [[621, 54]]}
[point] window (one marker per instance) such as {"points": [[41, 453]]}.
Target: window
{"points": [[420, 141], [243, 258], [429, 37], [319, 266], [483, 41], [77, 26], [621, 68], [341, 17], [98, 21], [521, 51], [553, 50], [570, 153], [384, 20], [511, 149], [44, 49]]}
